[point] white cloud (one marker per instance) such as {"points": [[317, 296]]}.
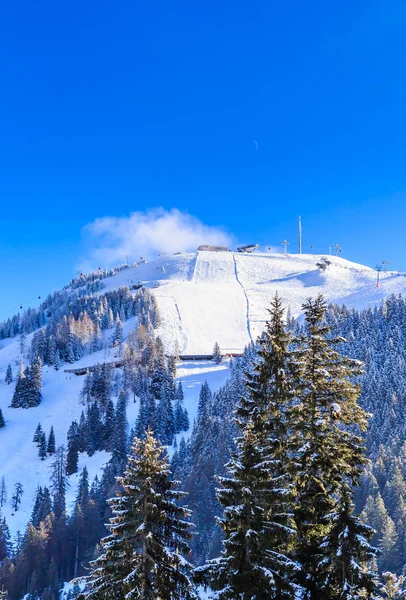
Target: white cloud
{"points": [[111, 239]]}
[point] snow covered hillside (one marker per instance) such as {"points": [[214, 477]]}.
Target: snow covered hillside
{"points": [[203, 297], [206, 297]]}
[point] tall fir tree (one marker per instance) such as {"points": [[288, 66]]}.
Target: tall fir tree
{"points": [[51, 445], [257, 498], [325, 440], [144, 553]]}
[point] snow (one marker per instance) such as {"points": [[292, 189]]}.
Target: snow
{"points": [[206, 297], [203, 297]]}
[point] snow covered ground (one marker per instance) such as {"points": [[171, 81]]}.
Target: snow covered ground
{"points": [[203, 297], [206, 297]]}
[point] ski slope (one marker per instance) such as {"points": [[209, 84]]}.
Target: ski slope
{"points": [[206, 297]]}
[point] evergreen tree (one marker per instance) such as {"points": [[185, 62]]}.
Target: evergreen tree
{"points": [[143, 555], [165, 425], [51, 442], [120, 433], [16, 497], [59, 482], [94, 429], [72, 457], [57, 361], [257, 498], [36, 382], [118, 333], [328, 453], [108, 426], [217, 354], [2, 421], [9, 375], [42, 446], [37, 434], [3, 492]]}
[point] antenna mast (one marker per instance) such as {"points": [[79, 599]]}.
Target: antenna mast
{"points": [[378, 270], [300, 235]]}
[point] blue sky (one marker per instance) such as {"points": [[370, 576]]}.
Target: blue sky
{"points": [[112, 108]]}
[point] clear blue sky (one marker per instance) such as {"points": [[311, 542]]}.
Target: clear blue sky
{"points": [[112, 107]]}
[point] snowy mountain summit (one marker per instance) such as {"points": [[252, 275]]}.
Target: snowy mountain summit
{"points": [[205, 296]]}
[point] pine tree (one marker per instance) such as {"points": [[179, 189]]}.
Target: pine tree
{"points": [[165, 425], [9, 375], [118, 333], [3, 492], [257, 498], [327, 452], [59, 482], [217, 354], [36, 382], [143, 555], [16, 497], [108, 426], [51, 442], [72, 457], [120, 433], [37, 434], [2, 421], [42, 446], [57, 361]]}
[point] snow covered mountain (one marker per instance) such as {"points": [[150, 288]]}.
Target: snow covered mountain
{"points": [[206, 297], [203, 298]]}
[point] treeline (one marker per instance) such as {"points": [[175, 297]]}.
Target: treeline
{"points": [[56, 304]]}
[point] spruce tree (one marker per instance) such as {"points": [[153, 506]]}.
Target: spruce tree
{"points": [[16, 497], [72, 457], [51, 442], [9, 375], [36, 382], [144, 553], [325, 440], [37, 434], [57, 361], [217, 353], [42, 446], [2, 421], [257, 498]]}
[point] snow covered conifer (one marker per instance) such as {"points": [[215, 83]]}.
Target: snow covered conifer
{"points": [[35, 382], [2, 421], [51, 441], [217, 353], [9, 375], [327, 443], [42, 446], [118, 333], [144, 553], [37, 434], [257, 497], [16, 497]]}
